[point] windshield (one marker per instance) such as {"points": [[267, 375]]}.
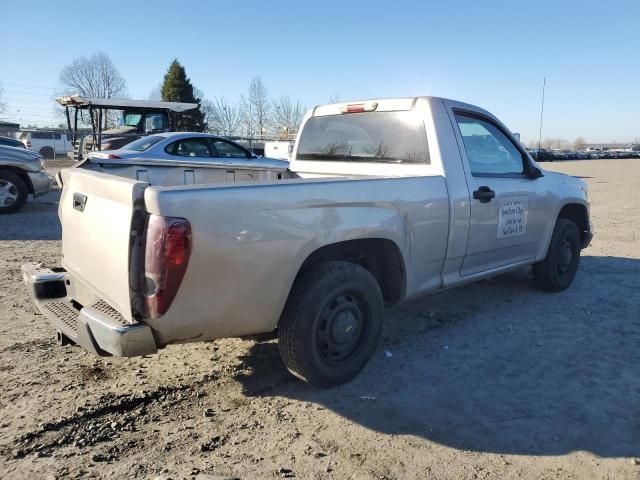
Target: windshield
{"points": [[142, 144], [130, 120], [387, 137]]}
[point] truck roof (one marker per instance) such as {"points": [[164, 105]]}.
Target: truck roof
{"points": [[120, 103], [385, 104]]}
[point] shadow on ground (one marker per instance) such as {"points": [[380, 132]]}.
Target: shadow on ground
{"points": [[498, 367], [37, 220]]}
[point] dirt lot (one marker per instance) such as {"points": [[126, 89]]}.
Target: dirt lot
{"points": [[492, 380]]}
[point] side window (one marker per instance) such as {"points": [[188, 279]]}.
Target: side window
{"points": [[190, 147], [155, 122], [228, 150], [489, 150]]}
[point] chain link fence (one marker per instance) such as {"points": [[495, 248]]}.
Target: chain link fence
{"points": [[60, 146]]}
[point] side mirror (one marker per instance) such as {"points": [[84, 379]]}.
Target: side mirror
{"points": [[535, 172]]}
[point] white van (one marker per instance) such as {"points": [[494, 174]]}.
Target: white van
{"points": [[280, 149], [47, 143]]}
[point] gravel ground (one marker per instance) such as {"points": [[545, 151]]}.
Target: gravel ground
{"points": [[491, 380]]}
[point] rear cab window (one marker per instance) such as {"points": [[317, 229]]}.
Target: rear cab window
{"points": [[395, 137]]}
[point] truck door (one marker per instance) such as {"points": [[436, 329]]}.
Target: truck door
{"points": [[507, 205]]}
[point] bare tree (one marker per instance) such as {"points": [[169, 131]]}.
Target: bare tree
{"points": [[335, 98], [156, 93], [579, 143], [94, 76], [256, 109], [287, 116], [224, 118]]}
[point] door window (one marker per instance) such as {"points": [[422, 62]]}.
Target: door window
{"points": [[228, 150], [190, 147], [155, 122], [489, 150]]}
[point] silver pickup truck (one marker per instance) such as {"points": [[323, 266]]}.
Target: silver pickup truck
{"points": [[384, 200]]}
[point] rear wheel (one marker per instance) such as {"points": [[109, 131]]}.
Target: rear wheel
{"points": [[331, 323], [13, 192], [557, 271]]}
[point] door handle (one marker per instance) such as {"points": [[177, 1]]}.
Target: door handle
{"points": [[484, 194], [79, 201]]}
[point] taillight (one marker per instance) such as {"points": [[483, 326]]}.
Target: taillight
{"points": [[28, 144], [167, 251], [111, 156]]}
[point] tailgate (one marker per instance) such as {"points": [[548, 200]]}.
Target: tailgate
{"points": [[96, 211]]}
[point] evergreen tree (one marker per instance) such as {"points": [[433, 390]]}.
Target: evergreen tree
{"points": [[177, 88]]}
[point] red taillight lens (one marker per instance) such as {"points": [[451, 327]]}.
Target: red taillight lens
{"points": [[167, 251], [28, 143], [111, 156], [355, 108]]}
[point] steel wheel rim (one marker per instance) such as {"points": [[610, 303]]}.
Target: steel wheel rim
{"points": [[341, 327], [565, 259], [8, 193]]}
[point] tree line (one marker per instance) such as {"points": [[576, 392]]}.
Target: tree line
{"points": [[256, 115]]}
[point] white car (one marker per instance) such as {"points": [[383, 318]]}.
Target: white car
{"points": [[48, 144]]}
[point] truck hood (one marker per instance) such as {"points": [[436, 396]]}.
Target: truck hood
{"points": [[17, 153], [20, 158]]}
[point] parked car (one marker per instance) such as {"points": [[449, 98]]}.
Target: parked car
{"points": [[384, 200], [48, 144], [11, 142], [190, 147], [21, 173]]}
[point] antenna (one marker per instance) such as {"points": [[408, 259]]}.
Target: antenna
{"points": [[544, 84]]}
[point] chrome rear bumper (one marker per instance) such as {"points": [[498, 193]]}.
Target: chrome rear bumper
{"points": [[98, 327]]}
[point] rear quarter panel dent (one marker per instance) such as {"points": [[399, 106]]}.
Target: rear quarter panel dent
{"points": [[248, 248]]}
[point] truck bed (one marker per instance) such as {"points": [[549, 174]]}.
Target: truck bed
{"points": [[249, 240]]}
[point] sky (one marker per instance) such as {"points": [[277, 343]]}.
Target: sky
{"points": [[493, 54]]}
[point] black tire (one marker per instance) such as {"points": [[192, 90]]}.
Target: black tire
{"points": [[47, 153], [331, 323], [557, 271], [13, 192]]}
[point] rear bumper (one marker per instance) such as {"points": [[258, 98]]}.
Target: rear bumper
{"points": [[41, 181], [97, 327]]}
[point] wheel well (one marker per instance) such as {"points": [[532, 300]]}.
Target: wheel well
{"points": [[380, 256], [577, 213], [22, 174]]}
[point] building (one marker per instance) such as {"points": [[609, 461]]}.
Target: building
{"points": [[8, 129]]}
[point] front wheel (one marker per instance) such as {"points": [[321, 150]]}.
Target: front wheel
{"points": [[13, 192], [557, 271], [331, 323]]}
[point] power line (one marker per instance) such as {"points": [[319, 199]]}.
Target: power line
{"points": [[15, 92], [13, 99], [27, 86], [28, 115]]}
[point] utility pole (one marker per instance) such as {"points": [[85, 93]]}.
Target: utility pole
{"points": [[544, 84]]}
